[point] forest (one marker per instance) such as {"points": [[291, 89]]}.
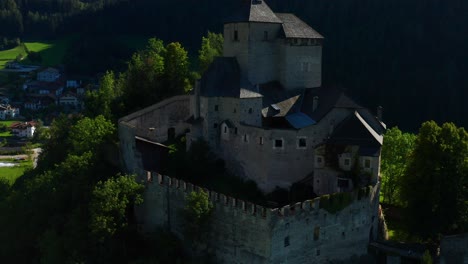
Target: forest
{"points": [[407, 56]]}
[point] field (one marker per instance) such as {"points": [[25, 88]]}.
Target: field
{"points": [[11, 54], [13, 173], [52, 52]]}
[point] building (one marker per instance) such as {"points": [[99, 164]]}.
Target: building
{"points": [[263, 110], [8, 112], [69, 99], [48, 75], [23, 129]]}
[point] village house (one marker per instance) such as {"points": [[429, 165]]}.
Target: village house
{"points": [[48, 75], [23, 129], [69, 99], [8, 112]]}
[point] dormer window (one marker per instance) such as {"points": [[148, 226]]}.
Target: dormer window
{"points": [[236, 35]]}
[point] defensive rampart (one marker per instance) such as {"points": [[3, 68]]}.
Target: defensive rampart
{"points": [[242, 232]]}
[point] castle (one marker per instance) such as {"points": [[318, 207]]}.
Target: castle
{"points": [[262, 109]]}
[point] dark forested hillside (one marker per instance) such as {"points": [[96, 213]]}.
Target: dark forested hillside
{"points": [[409, 56]]}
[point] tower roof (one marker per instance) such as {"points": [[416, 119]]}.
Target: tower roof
{"points": [[293, 27], [253, 11]]}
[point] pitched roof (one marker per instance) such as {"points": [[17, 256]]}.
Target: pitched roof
{"points": [[328, 98], [277, 101], [253, 11], [354, 130], [293, 27]]}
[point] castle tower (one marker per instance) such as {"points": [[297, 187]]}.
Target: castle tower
{"points": [[273, 47]]}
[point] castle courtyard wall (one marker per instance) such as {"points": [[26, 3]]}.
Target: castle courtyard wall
{"points": [[242, 232]]}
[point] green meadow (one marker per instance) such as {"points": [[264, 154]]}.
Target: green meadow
{"points": [[12, 173], [52, 52]]}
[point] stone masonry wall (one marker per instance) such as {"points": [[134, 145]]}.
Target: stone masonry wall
{"points": [[242, 232]]}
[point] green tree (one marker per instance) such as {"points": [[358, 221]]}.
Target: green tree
{"points": [[197, 212], [435, 183], [111, 204], [143, 84], [102, 101], [176, 69], [88, 134], [396, 150], [211, 47]]}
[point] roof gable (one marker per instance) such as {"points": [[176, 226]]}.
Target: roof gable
{"points": [[294, 27], [354, 130], [253, 11]]}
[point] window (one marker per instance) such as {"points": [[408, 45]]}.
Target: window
{"points": [[250, 110], [225, 129], [215, 125], [235, 130], [236, 35], [278, 143], [347, 162], [286, 241], [318, 252], [246, 138], [316, 233], [235, 111], [302, 143], [265, 35], [216, 108], [367, 163], [319, 160], [295, 41], [260, 140]]}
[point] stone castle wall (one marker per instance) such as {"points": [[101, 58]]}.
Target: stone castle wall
{"points": [[242, 232]]}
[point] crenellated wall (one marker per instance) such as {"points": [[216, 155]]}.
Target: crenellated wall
{"points": [[242, 232]]}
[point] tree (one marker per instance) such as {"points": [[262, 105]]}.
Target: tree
{"points": [[396, 150], [435, 185], [103, 100], [197, 211], [176, 69], [111, 204], [212, 46], [89, 134]]}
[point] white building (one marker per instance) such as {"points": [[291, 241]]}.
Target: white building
{"points": [[48, 75], [8, 112], [24, 129]]}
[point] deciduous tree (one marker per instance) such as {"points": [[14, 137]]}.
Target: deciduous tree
{"points": [[396, 150], [212, 46], [435, 185]]}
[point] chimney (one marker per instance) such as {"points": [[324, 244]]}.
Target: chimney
{"points": [[379, 112], [315, 103]]}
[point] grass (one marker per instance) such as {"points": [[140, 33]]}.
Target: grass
{"points": [[11, 54], [52, 52], [13, 173]]}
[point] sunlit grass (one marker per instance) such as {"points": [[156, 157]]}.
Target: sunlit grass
{"points": [[13, 173]]}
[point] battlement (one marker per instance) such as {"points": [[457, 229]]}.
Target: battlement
{"points": [[332, 203]]}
